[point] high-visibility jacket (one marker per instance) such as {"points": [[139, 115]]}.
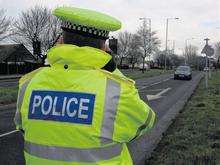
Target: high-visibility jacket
{"points": [[76, 113]]}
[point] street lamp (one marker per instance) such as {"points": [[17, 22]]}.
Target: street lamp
{"points": [[167, 23]]}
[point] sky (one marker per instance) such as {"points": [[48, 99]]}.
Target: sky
{"points": [[198, 19]]}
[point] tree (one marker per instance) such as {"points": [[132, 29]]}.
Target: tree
{"points": [[160, 59], [176, 60], [129, 48], [124, 42], [4, 25], [134, 52], [51, 33], [36, 25], [190, 54], [149, 42]]}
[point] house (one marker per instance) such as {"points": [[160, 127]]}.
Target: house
{"points": [[16, 59]]}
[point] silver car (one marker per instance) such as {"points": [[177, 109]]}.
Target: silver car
{"points": [[183, 72]]}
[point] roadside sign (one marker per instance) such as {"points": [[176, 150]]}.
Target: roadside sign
{"points": [[208, 50]]}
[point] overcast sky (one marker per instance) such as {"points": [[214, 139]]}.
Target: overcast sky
{"points": [[198, 18]]}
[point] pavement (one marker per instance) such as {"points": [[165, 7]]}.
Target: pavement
{"points": [[165, 95]]}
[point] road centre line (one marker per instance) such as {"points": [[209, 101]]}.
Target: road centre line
{"points": [[154, 90], [8, 133], [167, 79]]}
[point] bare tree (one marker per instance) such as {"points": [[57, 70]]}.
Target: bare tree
{"points": [[150, 43], [51, 32], [217, 52], [160, 59], [191, 53], [31, 25], [4, 25], [135, 52], [36, 24], [176, 60], [124, 42]]}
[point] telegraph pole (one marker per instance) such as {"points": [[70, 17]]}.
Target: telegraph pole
{"points": [[206, 64], [165, 62], [149, 43]]}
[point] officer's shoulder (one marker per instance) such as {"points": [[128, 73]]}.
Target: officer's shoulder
{"points": [[29, 75], [118, 78]]}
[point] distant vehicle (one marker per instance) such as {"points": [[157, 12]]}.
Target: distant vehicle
{"points": [[146, 67], [123, 66], [183, 72], [206, 69]]}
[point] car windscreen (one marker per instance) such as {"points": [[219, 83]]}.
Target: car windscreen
{"points": [[183, 68]]}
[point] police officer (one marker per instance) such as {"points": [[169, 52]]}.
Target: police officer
{"points": [[75, 112]]}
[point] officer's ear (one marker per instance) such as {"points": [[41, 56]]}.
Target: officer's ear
{"points": [[104, 46], [60, 40]]}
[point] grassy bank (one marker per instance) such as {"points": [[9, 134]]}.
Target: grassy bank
{"points": [[194, 137], [8, 95], [137, 74]]}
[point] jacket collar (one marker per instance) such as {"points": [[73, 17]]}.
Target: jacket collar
{"points": [[74, 56]]}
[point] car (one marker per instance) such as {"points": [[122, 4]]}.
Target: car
{"points": [[146, 67], [183, 72], [206, 69], [123, 66]]}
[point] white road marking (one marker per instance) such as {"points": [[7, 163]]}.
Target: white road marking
{"points": [[143, 87], [8, 133], [158, 95], [164, 91], [154, 90], [167, 79]]}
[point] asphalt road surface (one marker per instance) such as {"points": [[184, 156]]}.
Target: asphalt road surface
{"points": [[9, 82], [162, 92]]}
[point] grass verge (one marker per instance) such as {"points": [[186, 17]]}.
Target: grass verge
{"points": [[194, 137], [8, 95], [137, 74]]}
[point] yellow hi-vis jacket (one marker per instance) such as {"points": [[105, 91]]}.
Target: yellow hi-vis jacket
{"points": [[76, 113]]}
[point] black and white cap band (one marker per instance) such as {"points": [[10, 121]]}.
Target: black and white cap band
{"points": [[85, 29]]}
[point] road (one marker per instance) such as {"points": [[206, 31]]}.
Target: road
{"points": [[9, 82], [162, 92]]}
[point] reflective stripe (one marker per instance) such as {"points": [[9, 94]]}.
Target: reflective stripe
{"points": [[142, 127], [112, 95], [17, 118], [73, 154]]}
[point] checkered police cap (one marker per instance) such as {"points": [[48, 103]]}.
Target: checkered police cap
{"points": [[85, 30]]}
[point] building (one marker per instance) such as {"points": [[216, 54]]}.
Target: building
{"points": [[16, 59]]}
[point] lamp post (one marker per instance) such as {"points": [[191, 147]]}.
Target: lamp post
{"points": [[167, 24], [144, 35]]}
